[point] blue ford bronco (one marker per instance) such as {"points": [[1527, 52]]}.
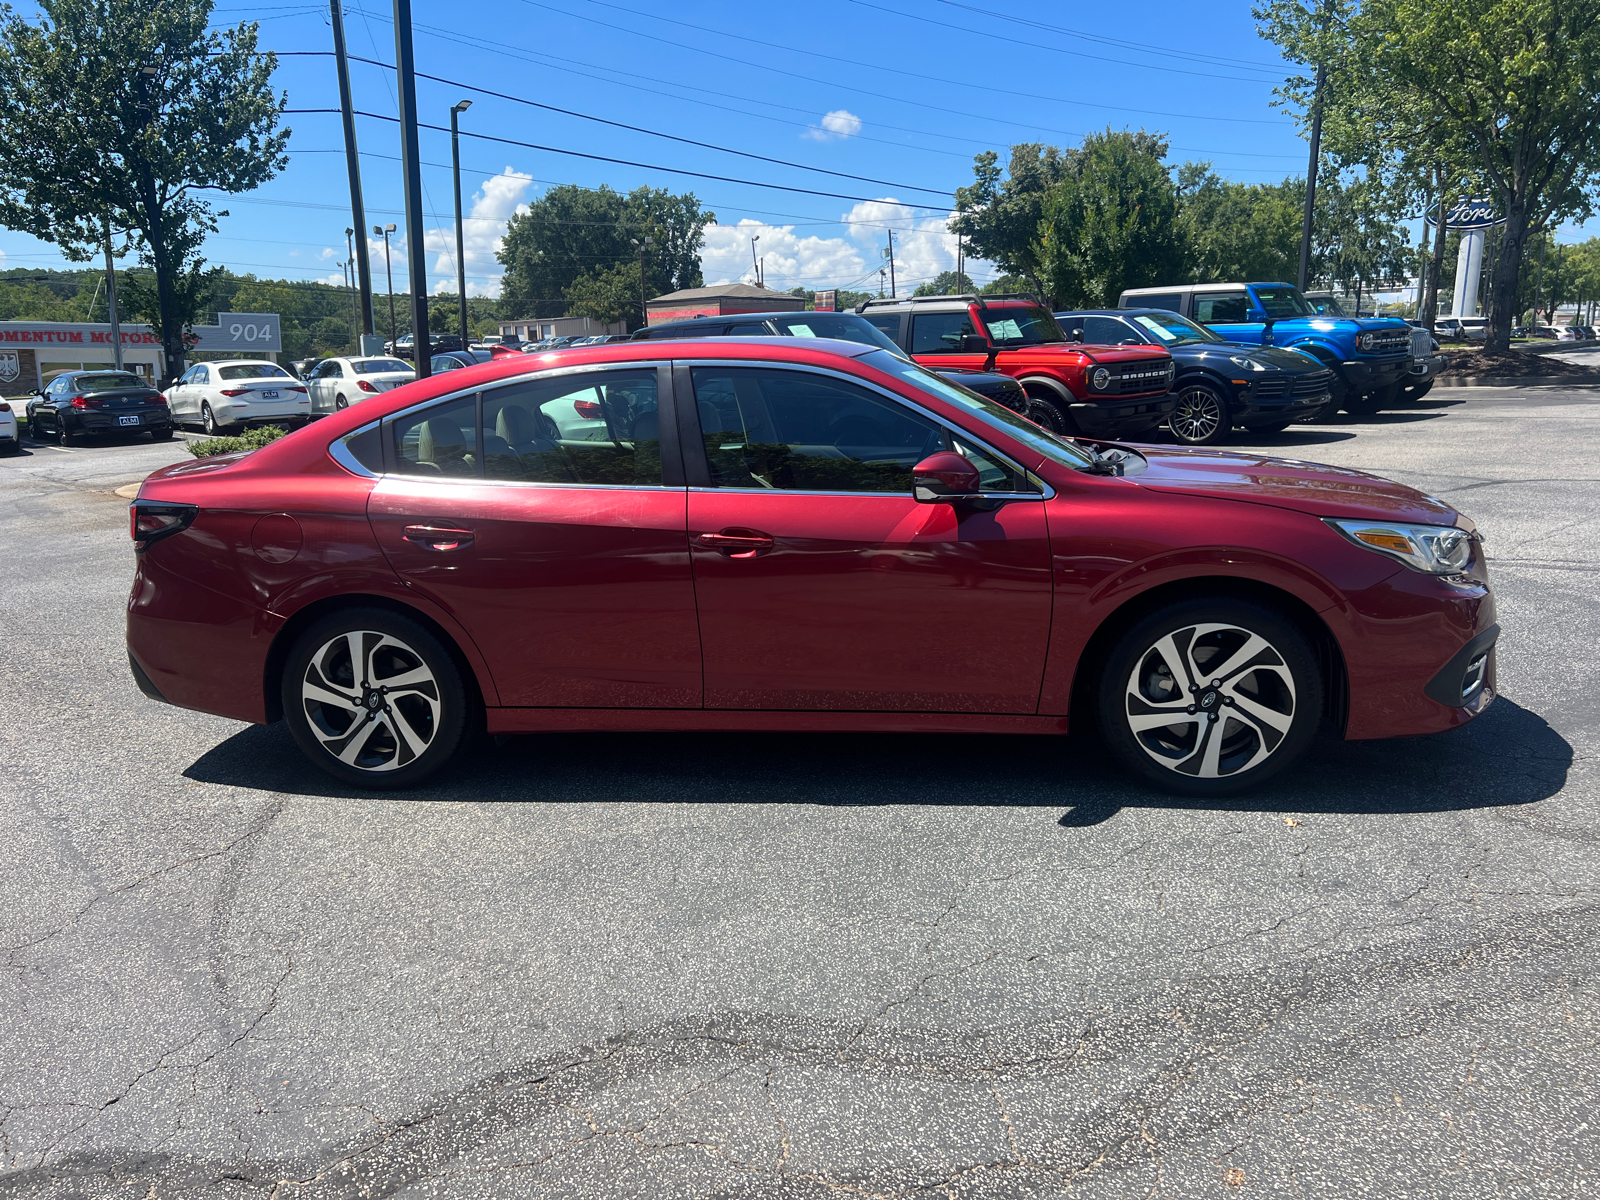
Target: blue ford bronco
{"points": [[1370, 357]]}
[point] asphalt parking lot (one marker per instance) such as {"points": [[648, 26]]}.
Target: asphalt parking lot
{"points": [[761, 966]]}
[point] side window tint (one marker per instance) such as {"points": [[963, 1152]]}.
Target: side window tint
{"points": [[995, 474], [1172, 303], [1106, 331], [939, 333], [799, 431], [589, 427], [1220, 309], [439, 441], [335, 371], [749, 329], [889, 323]]}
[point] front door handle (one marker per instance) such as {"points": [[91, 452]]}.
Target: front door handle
{"points": [[432, 537], [737, 543]]}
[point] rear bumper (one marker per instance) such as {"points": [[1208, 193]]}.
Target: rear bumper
{"points": [[1119, 418], [93, 421]]}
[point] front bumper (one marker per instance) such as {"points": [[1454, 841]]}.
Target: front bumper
{"points": [[1120, 417], [1371, 375], [1424, 369], [1250, 413]]}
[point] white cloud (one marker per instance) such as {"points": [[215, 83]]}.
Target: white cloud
{"points": [[840, 123], [922, 248], [483, 231], [338, 280], [327, 253]]}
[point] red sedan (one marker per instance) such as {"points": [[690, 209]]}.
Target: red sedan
{"points": [[781, 534]]}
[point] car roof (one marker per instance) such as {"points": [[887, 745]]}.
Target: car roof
{"points": [[240, 362]]}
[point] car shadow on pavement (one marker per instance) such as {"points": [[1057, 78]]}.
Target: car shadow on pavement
{"points": [[1508, 756]]}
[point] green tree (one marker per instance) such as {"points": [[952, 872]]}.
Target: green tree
{"points": [[947, 283], [571, 232], [138, 110], [1514, 82], [999, 213]]}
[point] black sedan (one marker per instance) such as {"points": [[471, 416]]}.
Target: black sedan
{"points": [[849, 327], [80, 404], [1219, 383], [454, 360]]}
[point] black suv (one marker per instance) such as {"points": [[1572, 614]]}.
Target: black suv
{"points": [[847, 327], [1219, 383]]}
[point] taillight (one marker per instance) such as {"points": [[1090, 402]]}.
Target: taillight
{"points": [[87, 402], [158, 398], [151, 522], [589, 410], [235, 391], [4, 407], [365, 386], [301, 390]]}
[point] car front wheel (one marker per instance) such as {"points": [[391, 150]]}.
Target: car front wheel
{"points": [[1210, 697], [1201, 417], [1052, 415], [374, 699]]}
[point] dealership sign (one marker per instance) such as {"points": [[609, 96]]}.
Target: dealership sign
{"points": [[1471, 214], [10, 366], [826, 301], [19, 333], [256, 333]]}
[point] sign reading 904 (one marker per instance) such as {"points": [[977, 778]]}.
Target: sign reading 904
{"points": [[252, 333]]}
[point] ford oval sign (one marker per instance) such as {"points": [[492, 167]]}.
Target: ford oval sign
{"points": [[1471, 214]]}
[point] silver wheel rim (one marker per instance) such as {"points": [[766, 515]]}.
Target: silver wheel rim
{"points": [[370, 700], [1198, 415], [207, 419], [1210, 701]]}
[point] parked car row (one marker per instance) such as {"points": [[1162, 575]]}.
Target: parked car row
{"points": [[803, 532]]}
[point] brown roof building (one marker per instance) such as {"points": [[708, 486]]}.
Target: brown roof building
{"points": [[721, 300]]}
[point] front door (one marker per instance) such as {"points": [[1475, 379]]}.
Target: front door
{"points": [[558, 542], [822, 584]]}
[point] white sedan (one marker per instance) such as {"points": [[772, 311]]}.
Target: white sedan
{"points": [[337, 383], [10, 442], [234, 392]]}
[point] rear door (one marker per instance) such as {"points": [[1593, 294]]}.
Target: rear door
{"points": [[566, 558], [822, 584]]}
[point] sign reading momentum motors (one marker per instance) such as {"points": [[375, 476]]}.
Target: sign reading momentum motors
{"points": [[1471, 214], [21, 333], [255, 333]]}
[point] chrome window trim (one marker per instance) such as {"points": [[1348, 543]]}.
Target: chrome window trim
{"points": [[896, 398], [1048, 494], [475, 481], [340, 453]]}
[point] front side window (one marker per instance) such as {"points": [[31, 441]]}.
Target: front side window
{"points": [[253, 371], [443, 362], [1283, 301], [1107, 331], [442, 440], [847, 327], [749, 329], [591, 427], [1221, 308], [801, 431], [940, 333]]}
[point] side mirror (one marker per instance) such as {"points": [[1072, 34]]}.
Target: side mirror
{"points": [[974, 343], [1075, 335], [943, 477]]}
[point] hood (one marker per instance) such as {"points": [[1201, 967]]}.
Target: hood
{"points": [[1313, 488], [1108, 354], [1282, 357]]}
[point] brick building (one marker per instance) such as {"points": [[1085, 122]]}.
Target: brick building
{"points": [[720, 300]]}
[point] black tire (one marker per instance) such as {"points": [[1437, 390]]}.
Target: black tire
{"points": [[1338, 393], [161, 435], [1416, 391], [66, 436], [411, 736], [1202, 417], [208, 419], [1280, 680], [340, 402], [1052, 415]]}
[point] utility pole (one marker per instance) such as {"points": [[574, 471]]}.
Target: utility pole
{"points": [[644, 302], [1538, 288], [411, 166], [755, 263], [881, 274], [352, 166], [961, 271], [1311, 180], [892, 292], [456, 110], [111, 300], [349, 258], [384, 231]]}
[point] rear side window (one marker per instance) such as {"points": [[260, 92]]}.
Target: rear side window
{"points": [[889, 323], [442, 440], [1221, 308], [1172, 302], [940, 333], [750, 329], [592, 427]]}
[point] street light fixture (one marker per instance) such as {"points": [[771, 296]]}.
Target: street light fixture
{"points": [[456, 110], [388, 269]]}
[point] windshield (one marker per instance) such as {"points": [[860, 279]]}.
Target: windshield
{"points": [[253, 371], [378, 366], [1283, 301], [1022, 326], [109, 382], [1172, 330], [1001, 420], [846, 327]]}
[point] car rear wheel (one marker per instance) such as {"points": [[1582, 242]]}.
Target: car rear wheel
{"points": [[374, 699], [208, 419], [66, 436], [1201, 417], [340, 402], [1209, 697]]}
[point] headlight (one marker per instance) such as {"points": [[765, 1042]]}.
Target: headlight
{"points": [[1431, 549], [1364, 341], [1245, 361], [1101, 379]]}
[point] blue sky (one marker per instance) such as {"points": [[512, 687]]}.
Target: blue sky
{"points": [[901, 93]]}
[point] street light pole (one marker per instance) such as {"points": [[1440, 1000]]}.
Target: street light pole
{"points": [[111, 300], [461, 263], [892, 291], [388, 270], [754, 264], [352, 164], [644, 301], [1311, 180], [411, 167]]}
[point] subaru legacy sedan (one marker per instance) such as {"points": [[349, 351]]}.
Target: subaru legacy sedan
{"points": [[792, 534]]}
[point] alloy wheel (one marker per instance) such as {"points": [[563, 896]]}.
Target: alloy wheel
{"points": [[208, 419], [1199, 418], [1210, 701], [340, 402], [371, 700]]}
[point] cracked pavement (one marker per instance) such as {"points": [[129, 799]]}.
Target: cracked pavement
{"points": [[807, 966]]}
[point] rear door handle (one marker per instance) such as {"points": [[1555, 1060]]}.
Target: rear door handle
{"points": [[737, 543], [433, 537]]}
